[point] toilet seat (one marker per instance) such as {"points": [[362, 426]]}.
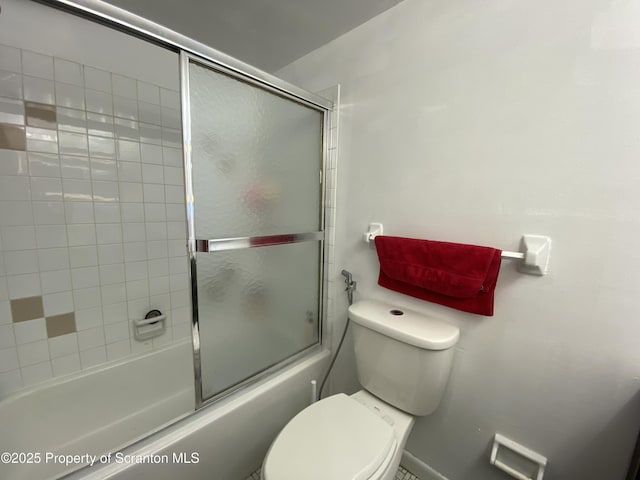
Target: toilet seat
{"points": [[336, 438]]}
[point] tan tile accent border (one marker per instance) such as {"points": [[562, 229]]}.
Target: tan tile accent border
{"points": [[29, 308], [12, 137], [61, 324], [40, 115]]}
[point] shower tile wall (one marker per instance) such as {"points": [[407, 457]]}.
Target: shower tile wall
{"points": [[92, 227], [332, 277]]}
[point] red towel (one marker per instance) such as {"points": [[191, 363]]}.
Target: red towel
{"points": [[452, 274]]}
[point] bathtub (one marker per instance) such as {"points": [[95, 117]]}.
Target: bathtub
{"points": [[95, 411], [224, 441], [83, 414]]}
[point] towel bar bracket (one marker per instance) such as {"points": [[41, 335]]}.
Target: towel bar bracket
{"points": [[372, 232], [537, 249]]}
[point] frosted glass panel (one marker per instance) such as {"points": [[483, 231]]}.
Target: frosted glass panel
{"points": [[256, 308], [256, 159]]}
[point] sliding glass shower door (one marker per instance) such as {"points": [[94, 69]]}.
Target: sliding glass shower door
{"points": [[255, 224]]}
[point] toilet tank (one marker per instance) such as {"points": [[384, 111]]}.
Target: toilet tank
{"points": [[403, 357]]}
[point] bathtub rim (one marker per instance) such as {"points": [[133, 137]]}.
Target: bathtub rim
{"points": [[70, 377]]}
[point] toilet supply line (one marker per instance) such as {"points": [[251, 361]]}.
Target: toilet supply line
{"points": [[350, 288]]}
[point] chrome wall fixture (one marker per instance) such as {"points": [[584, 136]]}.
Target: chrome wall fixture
{"points": [[193, 51]]}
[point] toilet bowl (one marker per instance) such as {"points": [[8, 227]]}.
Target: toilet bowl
{"points": [[403, 360]]}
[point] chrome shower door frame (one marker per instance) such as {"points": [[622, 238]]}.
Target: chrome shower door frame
{"points": [[195, 245]]}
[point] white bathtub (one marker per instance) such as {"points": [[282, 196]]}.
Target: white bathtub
{"points": [[95, 411], [85, 414], [229, 438]]}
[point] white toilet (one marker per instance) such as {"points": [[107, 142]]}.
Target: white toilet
{"points": [[403, 360]]}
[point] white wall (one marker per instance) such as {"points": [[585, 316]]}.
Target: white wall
{"points": [[477, 122]]}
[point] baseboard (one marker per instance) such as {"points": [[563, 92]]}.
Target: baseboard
{"points": [[419, 468]]}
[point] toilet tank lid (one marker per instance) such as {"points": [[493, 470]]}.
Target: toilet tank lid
{"points": [[404, 325]]}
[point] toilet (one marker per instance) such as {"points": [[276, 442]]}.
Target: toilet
{"points": [[403, 360]]}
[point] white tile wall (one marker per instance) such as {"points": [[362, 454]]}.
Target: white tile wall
{"points": [[37, 373], [91, 216], [332, 275], [63, 345], [10, 59], [40, 90], [68, 72]]}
